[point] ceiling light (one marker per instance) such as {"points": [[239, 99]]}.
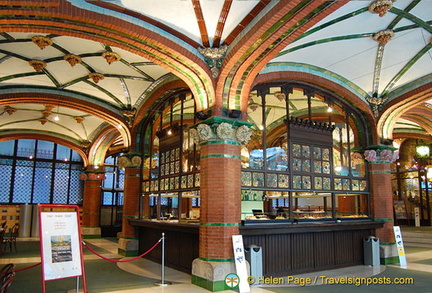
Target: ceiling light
{"points": [[329, 109], [56, 117]]}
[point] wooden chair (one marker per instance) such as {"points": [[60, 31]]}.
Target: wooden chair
{"points": [[7, 274], [11, 239], [7, 281]]}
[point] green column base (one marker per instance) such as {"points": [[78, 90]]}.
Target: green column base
{"points": [[388, 254], [128, 247], [211, 274], [91, 232], [389, 260], [213, 286]]}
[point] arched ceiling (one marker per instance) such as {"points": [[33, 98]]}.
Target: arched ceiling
{"points": [[341, 48]]}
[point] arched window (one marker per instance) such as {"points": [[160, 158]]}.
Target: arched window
{"points": [[112, 193], [39, 172], [171, 177]]}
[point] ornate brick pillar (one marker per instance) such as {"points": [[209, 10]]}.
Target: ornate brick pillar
{"points": [[91, 203], [128, 242], [379, 158], [220, 199]]}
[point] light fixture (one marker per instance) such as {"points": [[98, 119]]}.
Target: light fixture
{"points": [[169, 132], [201, 115], [329, 109], [56, 117], [422, 151], [235, 113]]}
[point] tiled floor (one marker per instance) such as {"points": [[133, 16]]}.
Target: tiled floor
{"points": [[419, 267]]}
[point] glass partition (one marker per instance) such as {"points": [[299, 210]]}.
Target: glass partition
{"points": [[303, 161]]}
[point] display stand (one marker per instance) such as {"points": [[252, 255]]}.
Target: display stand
{"points": [[60, 244], [400, 211]]}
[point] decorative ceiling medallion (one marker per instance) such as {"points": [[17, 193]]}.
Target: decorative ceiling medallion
{"points": [[10, 110], [383, 36], [380, 7], [72, 59], [111, 57], [214, 57], [96, 77], [130, 115], [79, 119], [46, 113], [42, 42], [376, 103], [43, 120], [280, 96], [129, 112], [38, 65], [85, 143], [253, 107]]}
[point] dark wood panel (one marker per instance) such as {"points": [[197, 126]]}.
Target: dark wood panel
{"points": [[302, 251], [324, 256], [344, 248], [181, 244], [299, 249], [286, 250]]}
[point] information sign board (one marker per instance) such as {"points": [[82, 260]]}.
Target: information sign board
{"points": [[60, 243]]}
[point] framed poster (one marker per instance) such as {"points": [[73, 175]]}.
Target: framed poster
{"points": [[400, 209], [60, 243]]}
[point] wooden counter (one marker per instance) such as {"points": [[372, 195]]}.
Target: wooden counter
{"points": [[181, 242], [287, 248], [307, 247]]}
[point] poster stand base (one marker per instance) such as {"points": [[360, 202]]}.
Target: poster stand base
{"points": [[162, 284]]}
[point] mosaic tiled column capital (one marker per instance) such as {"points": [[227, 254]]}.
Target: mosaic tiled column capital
{"points": [[92, 175], [377, 154], [221, 129], [130, 160]]}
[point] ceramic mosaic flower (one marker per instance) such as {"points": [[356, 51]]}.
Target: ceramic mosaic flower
{"points": [[386, 155], [224, 130], [204, 131], [243, 134], [370, 155]]}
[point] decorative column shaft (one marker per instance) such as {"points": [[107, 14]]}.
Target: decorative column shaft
{"points": [[128, 242], [379, 158], [91, 204], [220, 199]]}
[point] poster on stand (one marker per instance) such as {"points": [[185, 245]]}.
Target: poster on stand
{"points": [[60, 245]]}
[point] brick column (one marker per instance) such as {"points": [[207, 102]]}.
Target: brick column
{"points": [[381, 200], [128, 242], [91, 204], [220, 191]]}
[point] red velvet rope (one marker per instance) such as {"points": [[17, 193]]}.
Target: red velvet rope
{"points": [[26, 268], [125, 260], [103, 257]]}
